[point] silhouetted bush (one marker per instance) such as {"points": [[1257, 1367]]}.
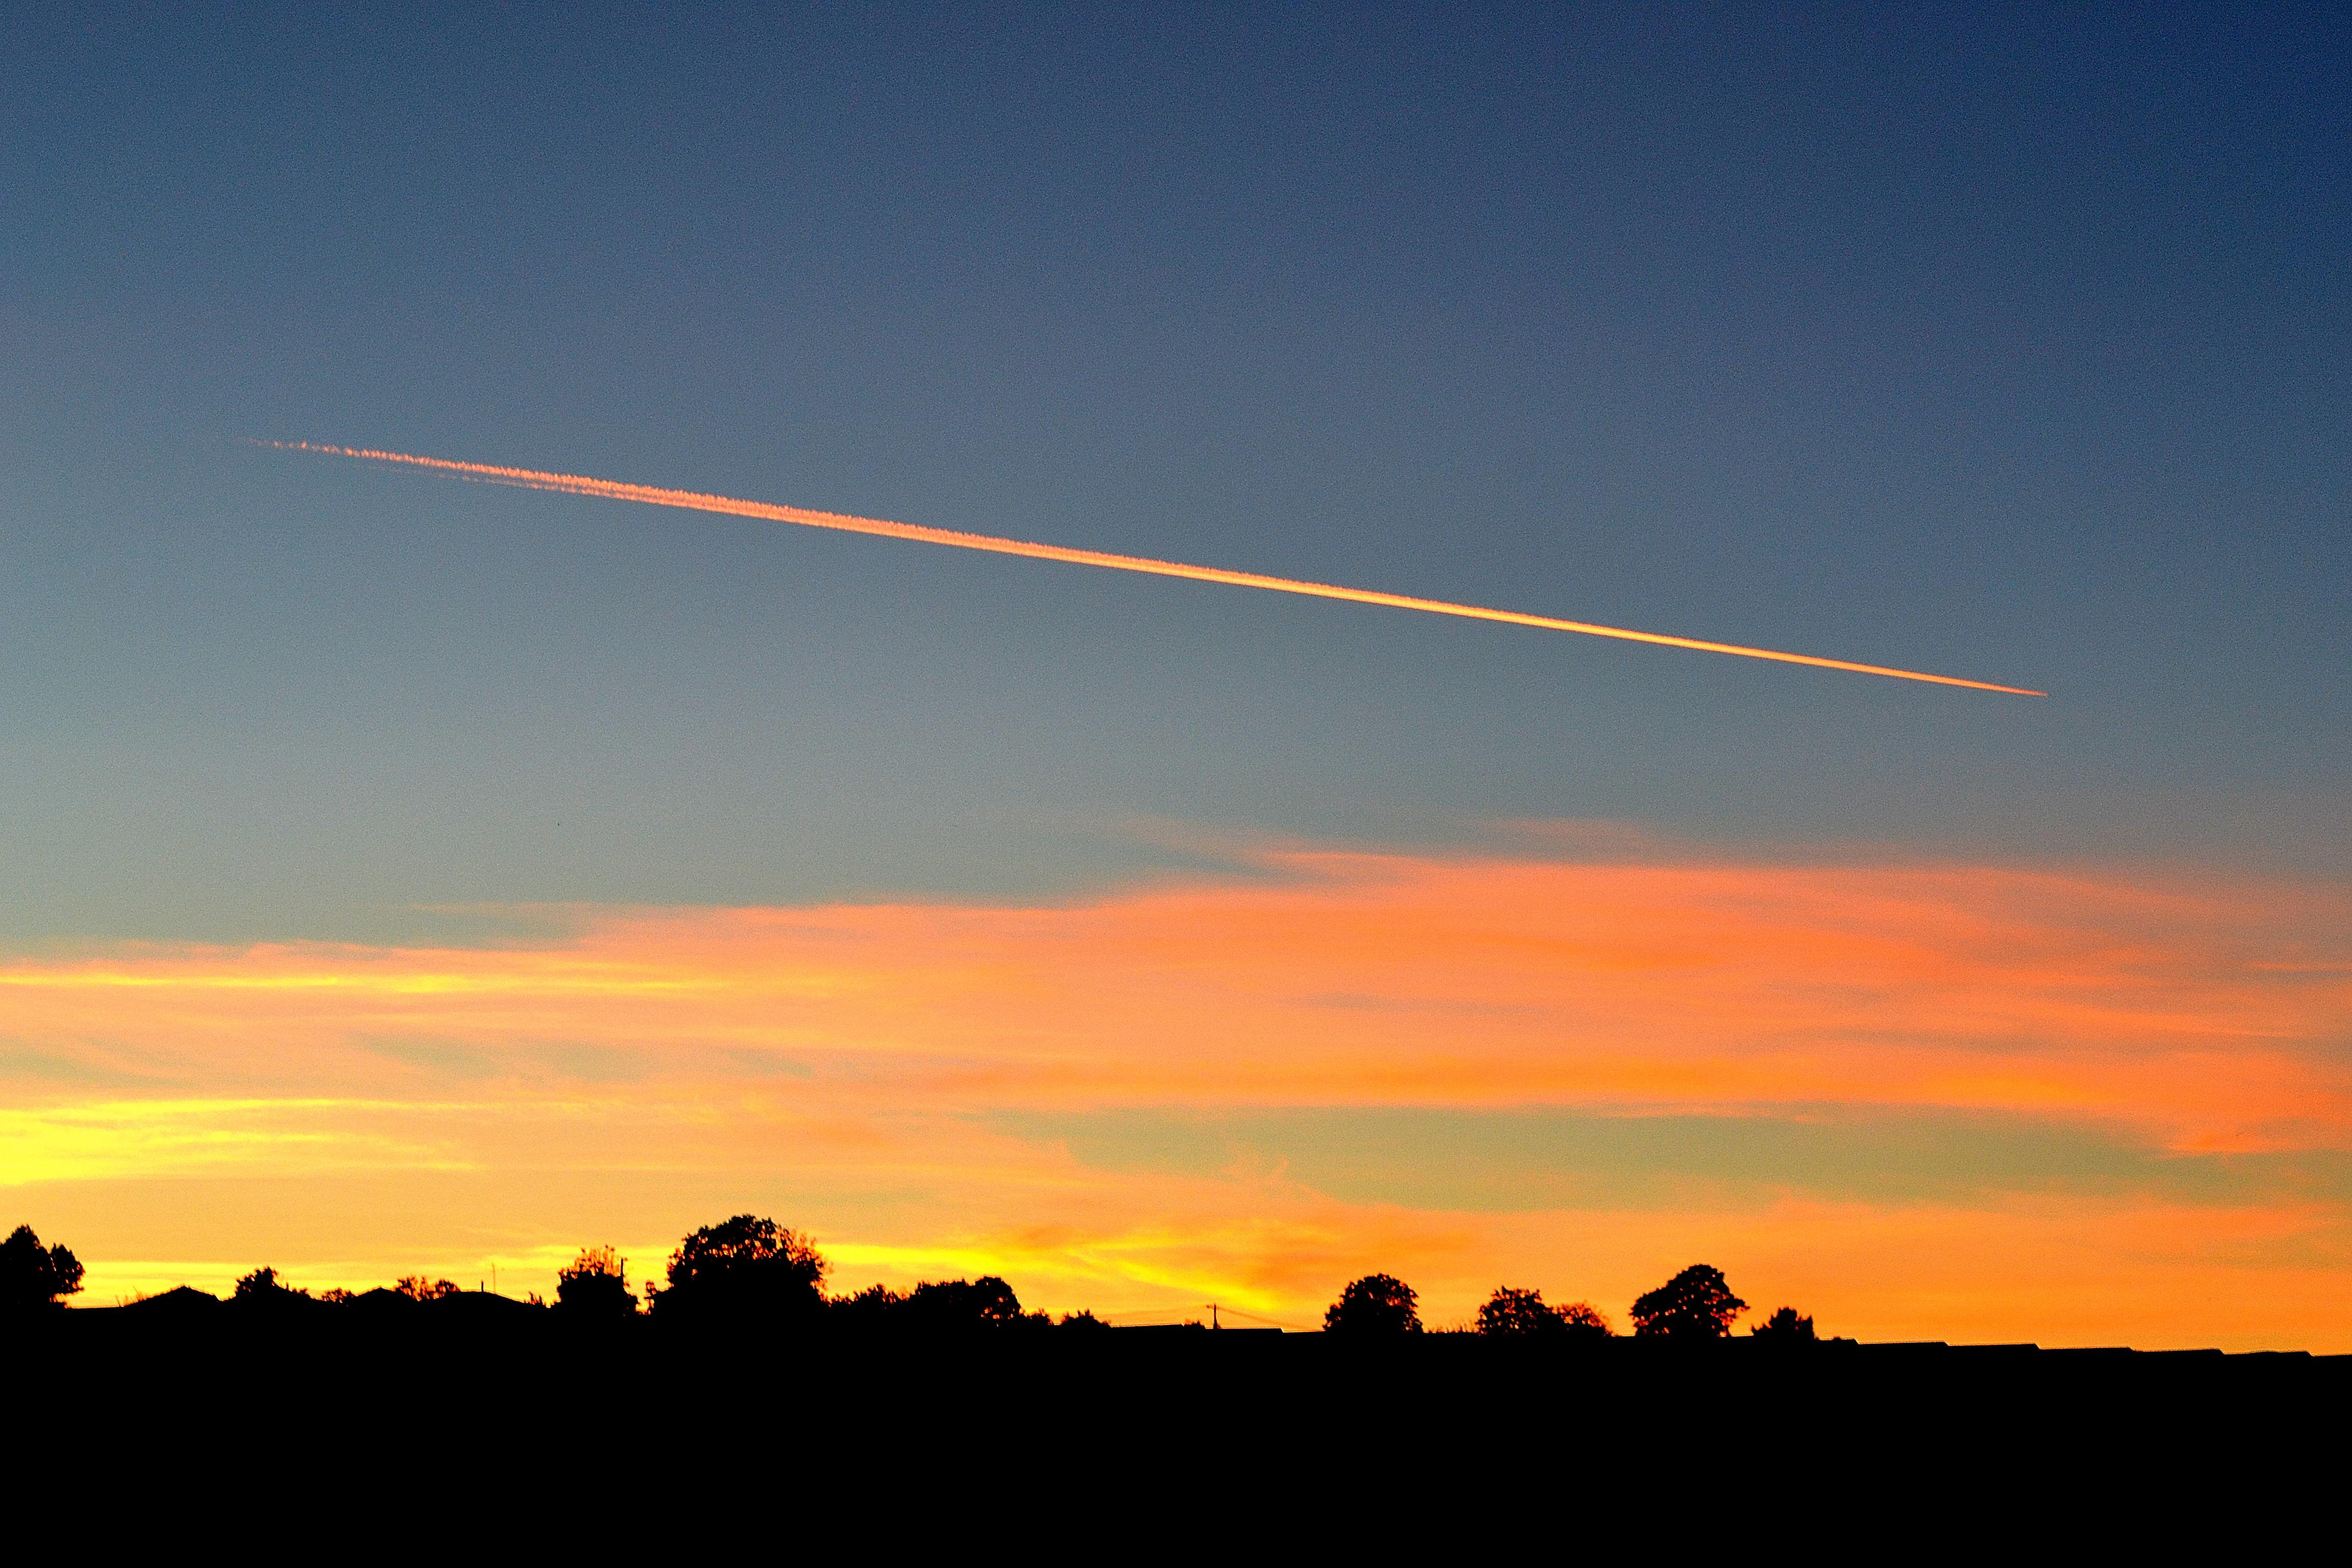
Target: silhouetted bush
{"points": [[945, 1306], [33, 1276], [1785, 1324], [1696, 1304], [740, 1269], [1519, 1313], [987, 1302], [872, 1308], [1585, 1320], [416, 1288], [1376, 1304], [263, 1289], [1526, 1314], [595, 1287]]}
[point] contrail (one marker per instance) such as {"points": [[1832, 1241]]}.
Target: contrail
{"points": [[654, 495]]}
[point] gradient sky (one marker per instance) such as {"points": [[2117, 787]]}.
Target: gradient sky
{"points": [[1151, 940]]}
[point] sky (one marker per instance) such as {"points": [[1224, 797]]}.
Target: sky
{"points": [[403, 875]]}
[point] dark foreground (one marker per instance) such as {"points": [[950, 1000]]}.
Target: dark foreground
{"points": [[485, 1360], [456, 1413]]}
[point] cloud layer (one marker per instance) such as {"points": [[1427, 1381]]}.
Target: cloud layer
{"points": [[1951, 1100]]}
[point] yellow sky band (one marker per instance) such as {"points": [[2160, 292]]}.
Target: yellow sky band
{"points": [[654, 495]]}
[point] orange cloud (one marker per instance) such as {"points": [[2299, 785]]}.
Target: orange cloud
{"points": [[854, 1065]]}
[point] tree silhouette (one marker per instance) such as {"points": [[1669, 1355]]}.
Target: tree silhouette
{"points": [[596, 1286], [741, 1268], [1525, 1314], [872, 1308], [1521, 1313], [416, 1288], [1376, 1304], [1584, 1320], [1696, 1304], [937, 1306], [950, 1305], [1784, 1324], [33, 1275], [262, 1288]]}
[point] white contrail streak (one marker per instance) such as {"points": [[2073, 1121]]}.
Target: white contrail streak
{"points": [[653, 495]]}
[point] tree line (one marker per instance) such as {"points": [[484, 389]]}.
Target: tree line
{"points": [[1696, 1304], [749, 1269]]}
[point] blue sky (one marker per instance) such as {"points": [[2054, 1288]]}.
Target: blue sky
{"points": [[1971, 338]]}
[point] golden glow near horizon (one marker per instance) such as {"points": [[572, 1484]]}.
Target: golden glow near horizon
{"points": [[653, 495], [940, 1088]]}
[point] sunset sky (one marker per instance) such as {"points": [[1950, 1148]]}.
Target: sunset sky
{"points": [[402, 875]]}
